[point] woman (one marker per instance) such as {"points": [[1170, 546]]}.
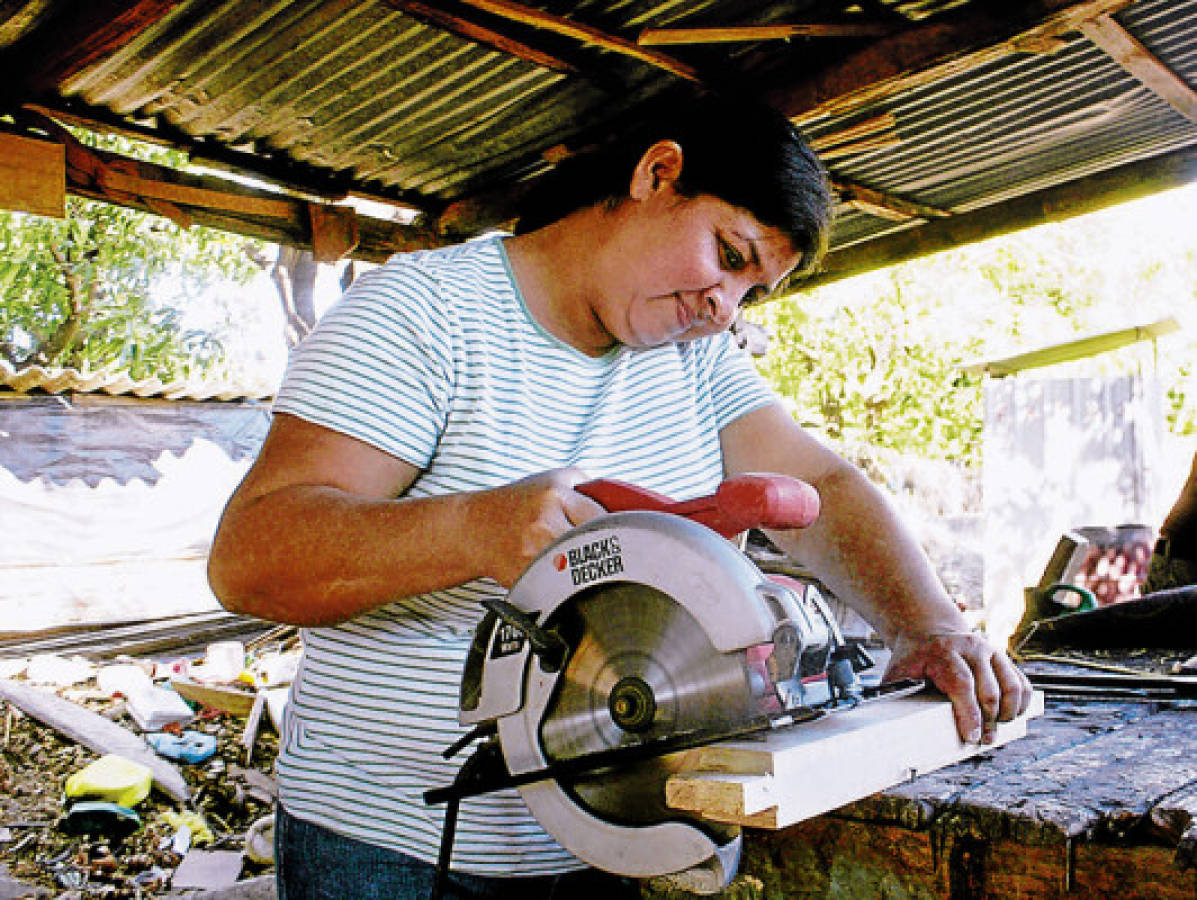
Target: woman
{"points": [[425, 447]]}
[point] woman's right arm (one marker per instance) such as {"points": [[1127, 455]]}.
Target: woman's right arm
{"points": [[319, 532]]}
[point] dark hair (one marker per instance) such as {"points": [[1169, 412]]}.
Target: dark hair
{"points": [[742, 152]]}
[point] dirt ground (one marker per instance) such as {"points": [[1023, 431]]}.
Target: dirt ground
{"points": [[38, 849]]}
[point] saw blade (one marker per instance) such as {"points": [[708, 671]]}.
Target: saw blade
{"points": [[642, 669]]}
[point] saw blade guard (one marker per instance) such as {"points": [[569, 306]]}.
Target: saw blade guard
{"points": [[688, 562], [659, 611]]}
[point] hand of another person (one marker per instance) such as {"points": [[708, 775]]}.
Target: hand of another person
{"points": [[517, 521], [984, 685]]}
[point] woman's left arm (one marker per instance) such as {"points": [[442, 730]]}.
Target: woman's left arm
{"points": [[861, 549]]}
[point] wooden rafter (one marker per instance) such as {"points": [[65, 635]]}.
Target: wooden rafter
{"points": [[71, 41], [656, 37], [1126, 50], [884, 205], [442, 18], [1054, 204], [285, 173], [943, 47], [536, 18], [214, 202]]}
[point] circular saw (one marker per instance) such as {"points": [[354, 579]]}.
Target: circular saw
{"points": [[632, 638]]}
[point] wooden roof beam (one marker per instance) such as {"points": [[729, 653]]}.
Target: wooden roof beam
{"points": [[188, 199], [285, 173], [941, 48], [75, 37], [1084, 195], [655, 37], [1126, 50], [439, 16], [884, 205], [570, 28]]}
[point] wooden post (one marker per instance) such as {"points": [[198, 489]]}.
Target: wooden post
{"points": [[32, 176]]}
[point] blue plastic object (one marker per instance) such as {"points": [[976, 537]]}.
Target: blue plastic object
{"points": [[188, 747]]}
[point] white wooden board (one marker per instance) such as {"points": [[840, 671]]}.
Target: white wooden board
{"points": [[794, 774]]}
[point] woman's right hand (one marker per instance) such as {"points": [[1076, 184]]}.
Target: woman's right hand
{"points": [[512, 524]]}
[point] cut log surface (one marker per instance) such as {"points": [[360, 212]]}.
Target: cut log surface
{"points": [[793, 774]]}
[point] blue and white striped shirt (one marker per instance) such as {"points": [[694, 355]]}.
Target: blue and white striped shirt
{"points": [[435, 359]]}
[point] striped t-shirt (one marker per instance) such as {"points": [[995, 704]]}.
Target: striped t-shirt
{"points": [[434, 359]]}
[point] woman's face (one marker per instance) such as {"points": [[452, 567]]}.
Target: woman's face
{"points": [[678, 268]]}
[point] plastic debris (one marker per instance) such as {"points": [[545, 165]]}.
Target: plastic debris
{"points": [[123, 678], [223, 663], [194, 822], [188, 747], [157, 707], [211, 870], [150, 707], [151, 879], [100, 817], [112, 778], [259, 841]]}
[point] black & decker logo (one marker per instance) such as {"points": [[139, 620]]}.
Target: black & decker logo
{"points": [[593, 561]]}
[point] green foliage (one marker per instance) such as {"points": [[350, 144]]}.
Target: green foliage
{"points": [[875, 361], [881, 374], [95, 289]]}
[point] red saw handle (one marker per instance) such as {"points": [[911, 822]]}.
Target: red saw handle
{"points": [[740, 503]]}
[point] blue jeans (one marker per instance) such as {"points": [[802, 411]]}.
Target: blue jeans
{"points": [[314, 863]]}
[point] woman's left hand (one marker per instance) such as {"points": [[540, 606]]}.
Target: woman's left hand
{"points": [[984, 685]]}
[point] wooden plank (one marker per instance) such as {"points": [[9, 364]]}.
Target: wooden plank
{"points": [[771, 783], [431, 14], [1081, 348], [94, 732], [528, 15], [920, 803], [1054, 204], [32, 176], [1126, 50], [231, 700], [219, 203], [885, 205], [653, 37], [334, 232], [289, 174], [944, 47], [75, 37]]}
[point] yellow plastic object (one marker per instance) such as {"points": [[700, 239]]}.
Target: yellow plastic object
{"points": [[112, 778], [193, 822]]}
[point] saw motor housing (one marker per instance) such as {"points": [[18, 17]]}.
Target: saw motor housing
{"points": [[750, 642]]}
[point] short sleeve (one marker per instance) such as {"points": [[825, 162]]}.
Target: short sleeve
{"points": [[378, 366], [735, 385]]}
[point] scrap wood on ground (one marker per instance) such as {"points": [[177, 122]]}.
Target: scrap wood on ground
{"points": [[119, 792]]}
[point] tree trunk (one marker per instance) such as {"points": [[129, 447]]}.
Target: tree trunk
{"points": [[60, 344], [294, 276]]}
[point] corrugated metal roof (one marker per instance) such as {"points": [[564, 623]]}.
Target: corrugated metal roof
{"points": [[404, 107], [35, 379], [1025, 122]]}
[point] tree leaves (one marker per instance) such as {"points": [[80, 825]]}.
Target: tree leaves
{"points": [[91, 290]]}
